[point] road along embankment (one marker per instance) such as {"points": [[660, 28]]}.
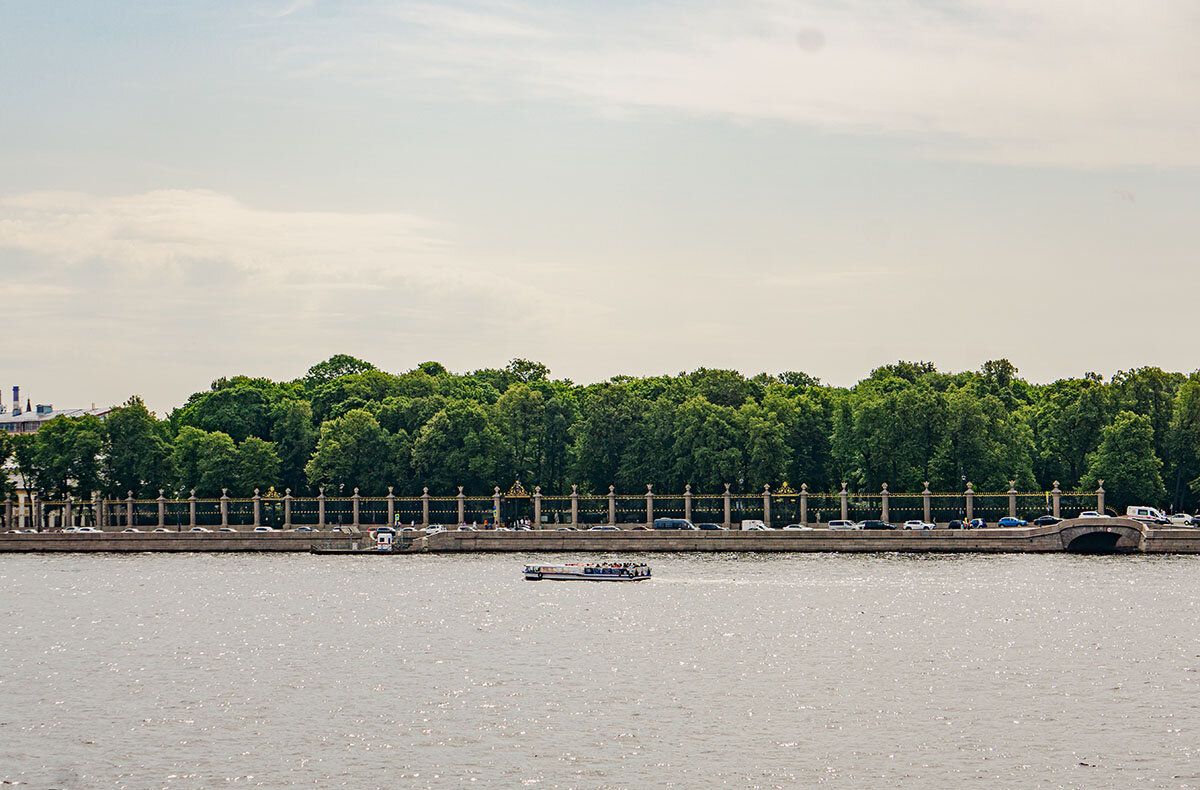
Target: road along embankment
{"points": [[1096, 535]]}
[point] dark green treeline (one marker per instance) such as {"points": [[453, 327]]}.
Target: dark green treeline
{"points": [[349, 424]]}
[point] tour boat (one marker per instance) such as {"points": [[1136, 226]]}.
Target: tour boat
{"points": [[589, 572]]}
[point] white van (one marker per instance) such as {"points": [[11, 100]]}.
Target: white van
{"points": [[1148, 514], [754, 524]]}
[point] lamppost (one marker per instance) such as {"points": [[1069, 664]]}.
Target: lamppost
{"points": [[341, 502]]}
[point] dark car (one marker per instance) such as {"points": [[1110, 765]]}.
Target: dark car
{"points": [[673, 523], [956, 524], [876, 524], [1046, 521], [709, 526]]}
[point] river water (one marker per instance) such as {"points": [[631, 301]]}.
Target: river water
{"points": [[203, 671]]}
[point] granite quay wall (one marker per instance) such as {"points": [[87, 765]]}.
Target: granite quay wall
{"points": [[728, 508], [123, 542]]}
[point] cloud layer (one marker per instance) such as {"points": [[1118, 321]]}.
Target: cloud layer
{"points": [[1077, 83]]}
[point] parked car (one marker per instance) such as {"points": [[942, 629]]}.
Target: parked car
{"points": [[1012, 521], [956, 524], [842, 524], [265, 529], [799, 527], [976, 523], [1090, 514], [131, 529], [226, 529], [875, 524], [641, 528], [199, 529], [163, 529], [523, 528], [604, 528], [303, 529], [710, 526], [566, 529], [434, 528], [674, 523], [1181, 520], [754, 523], [1047, 521], [916, 523]]}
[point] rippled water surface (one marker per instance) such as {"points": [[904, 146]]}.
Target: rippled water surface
{"points": [[743, 671]]}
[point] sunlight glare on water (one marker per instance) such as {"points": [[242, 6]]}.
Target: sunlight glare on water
{"points": [[199, 671]]}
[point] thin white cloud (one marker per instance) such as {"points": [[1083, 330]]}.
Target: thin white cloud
{"points": [[1086, 83]]}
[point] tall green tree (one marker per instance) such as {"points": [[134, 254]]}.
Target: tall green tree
{"points": [[139, 451], [295, 439], [460, 445], [67, 452], [354, 451], [1127, 463], [257, 466]]}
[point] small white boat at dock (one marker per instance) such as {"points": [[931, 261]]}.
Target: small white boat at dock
{"points": [[589, 572]]}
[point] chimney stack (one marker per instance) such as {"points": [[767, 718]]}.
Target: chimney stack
{"points": [[16, 409]]}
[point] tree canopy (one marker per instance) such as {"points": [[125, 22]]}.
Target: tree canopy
{"points": [[349, 423]]}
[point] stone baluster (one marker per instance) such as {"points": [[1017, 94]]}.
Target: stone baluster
{"points": [[224, 507], [67, 512], [970, 501], [728, 507], [649, 505], [845, 502], [129, 508], [356, 501], [687, 501], [766, 504], [804, 503], [192, 509], [257, 508], [391, 506], [462, 506], [1056, 501], [425, 506], [883, 504], [1012, 498], [537, 506], [1100, 497], [287, 510], [162, 509], [495, 506], [927, 497], [574, 505], [321, 508], [612, 505]]}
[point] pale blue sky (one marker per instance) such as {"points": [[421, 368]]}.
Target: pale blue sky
{"points": [[189, 190]]}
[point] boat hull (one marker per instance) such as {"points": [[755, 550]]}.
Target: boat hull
{"points": [[579, 577]]}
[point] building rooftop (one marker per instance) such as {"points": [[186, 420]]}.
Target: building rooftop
{"points": [[29, 421]]}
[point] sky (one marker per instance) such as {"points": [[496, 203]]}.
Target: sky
{"points": [[191, 190]]}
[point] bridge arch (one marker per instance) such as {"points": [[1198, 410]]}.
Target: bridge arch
{"points": [[1101, 535]]}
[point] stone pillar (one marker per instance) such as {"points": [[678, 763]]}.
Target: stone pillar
{"points": [[927, 496], [883, 503], [162, 509], [537, 506], [845, 503], [804, 503], [391, 500], [766, 505], [1056, 500], [970, 499], [287, 510], [355, 502], [612, 505], [129, 508], [1100, 497], [8, 522], [257, 508], [1012, 498], [224, 507], [67, 512], [462, 506], [687, 501], [495, 505], [192, 509], [649, 505], [574, 505], [728, 506], [425, 506], [321, 508], [98, 508]]}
